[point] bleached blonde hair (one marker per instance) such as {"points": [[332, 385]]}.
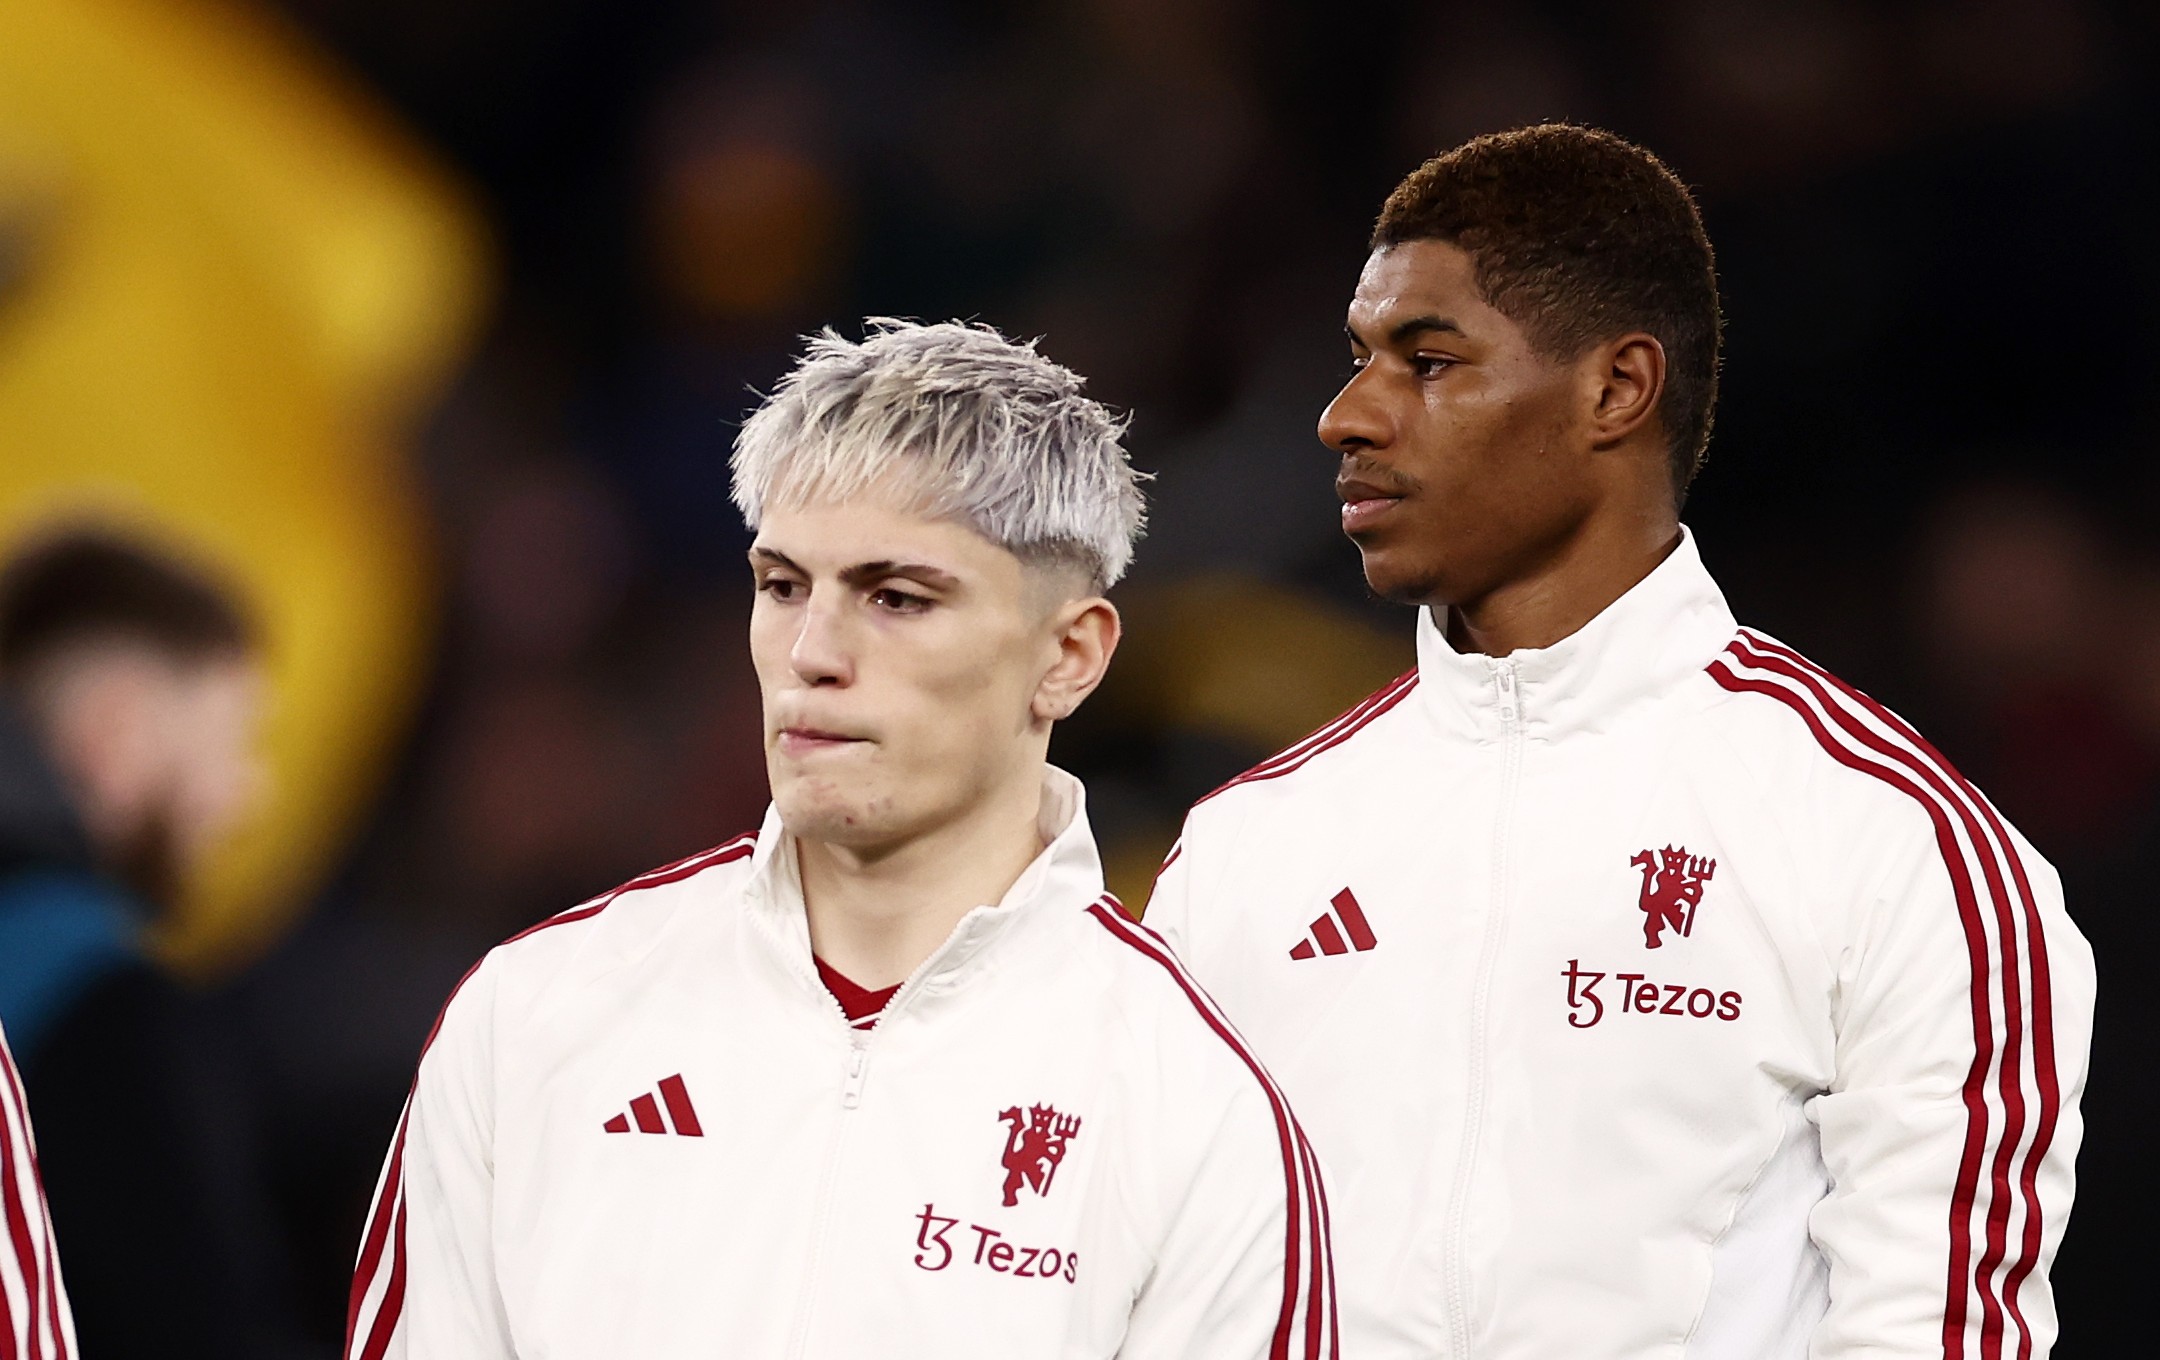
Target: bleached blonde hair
{"points": [[961, 423]]}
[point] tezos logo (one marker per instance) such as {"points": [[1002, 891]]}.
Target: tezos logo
{"points": [[1641, 996]]}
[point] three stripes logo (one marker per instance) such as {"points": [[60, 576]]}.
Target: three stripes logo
{"points": [[645, 1112], [1344, 917]]}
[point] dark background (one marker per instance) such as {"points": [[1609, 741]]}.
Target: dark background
{"points": [[1932, 468]]}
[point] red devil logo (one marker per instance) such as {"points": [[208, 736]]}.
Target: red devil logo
{"points": [[1672, 887], [1034, 1148]]}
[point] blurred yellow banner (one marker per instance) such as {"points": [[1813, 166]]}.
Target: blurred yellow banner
{"points": [[227, 287]]}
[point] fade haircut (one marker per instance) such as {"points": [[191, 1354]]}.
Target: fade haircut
{"points": [[960, 423], [1579, 236], [88, 585]]}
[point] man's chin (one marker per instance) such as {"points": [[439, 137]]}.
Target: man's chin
{"points": [[832, 816], [1396, 581]]}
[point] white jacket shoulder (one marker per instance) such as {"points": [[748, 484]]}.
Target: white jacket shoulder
{"points": [[1362, 733], [618, 926], [1834, 765]]}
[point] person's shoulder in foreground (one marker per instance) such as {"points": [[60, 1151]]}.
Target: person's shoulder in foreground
{"points": [[893, 1075], [34, 1314], [1746, 1025]]}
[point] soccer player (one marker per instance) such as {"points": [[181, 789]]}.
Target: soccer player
{"points": [[1647, 991], [892, 1076], [34, 1317]]}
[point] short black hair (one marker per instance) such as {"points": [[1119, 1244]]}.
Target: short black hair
{"points": [[93, 584], [1579, 236]]}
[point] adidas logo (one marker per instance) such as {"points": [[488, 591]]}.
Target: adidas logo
{"points": [[645, 1112], [1328, 935]]}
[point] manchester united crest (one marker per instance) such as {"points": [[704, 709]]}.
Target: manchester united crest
{"points": [[1672, 888], [1034, 1145]]}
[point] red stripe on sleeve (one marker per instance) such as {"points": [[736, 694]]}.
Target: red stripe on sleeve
{"points": [[1326, 738], [385, 1234], [380, 1218], [1299, 1172], [1951, 786], [2042, 1010], [1943, 792], [56, 1321], [17, 1169], [1976, 1126], [1320, 1184], [393, 1299], [1316, 1285]]}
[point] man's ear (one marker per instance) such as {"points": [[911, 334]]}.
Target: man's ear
{"points": [[1628, 380], [1085, 632]]}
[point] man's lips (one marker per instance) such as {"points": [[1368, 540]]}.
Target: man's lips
{"points": [[1364, 503], [803, 741]]}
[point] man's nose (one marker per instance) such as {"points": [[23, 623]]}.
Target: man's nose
{"points": [[1355, 419], [822, 655]]}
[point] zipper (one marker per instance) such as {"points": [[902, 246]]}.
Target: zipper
{"points": [[857, 1067], [856, 1072], [858, 1064], [1455, 1248]]}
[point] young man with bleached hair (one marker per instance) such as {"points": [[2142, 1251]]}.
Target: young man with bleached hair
{"points": [[1651, 993], [892, 1075]]}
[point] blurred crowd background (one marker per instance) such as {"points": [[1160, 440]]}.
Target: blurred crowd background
{"points": [[418, 329]]}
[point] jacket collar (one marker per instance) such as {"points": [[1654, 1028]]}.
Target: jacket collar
{"points": [[1066, 877], [1644, 644]]}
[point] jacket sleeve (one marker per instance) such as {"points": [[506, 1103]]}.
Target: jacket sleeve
{"points": [[1245, 1270], [1169, 905], [425, 1286], [34, 1317], [1963, 1014]]}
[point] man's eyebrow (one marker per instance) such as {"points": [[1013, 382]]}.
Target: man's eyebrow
{"points": [[1403, 331], [865, 573], [870, 573], [1420, 325]]}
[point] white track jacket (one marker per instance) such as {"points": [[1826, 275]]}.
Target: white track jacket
{"points": [[1653, 994], [34, 1320], [644, 1128]]}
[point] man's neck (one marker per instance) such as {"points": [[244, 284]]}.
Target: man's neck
{"points": [[876, 915], [1567, 588]]}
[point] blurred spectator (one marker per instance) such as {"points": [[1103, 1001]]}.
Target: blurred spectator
{"points": [[233, 286], [2021, 622], [127, 747]]}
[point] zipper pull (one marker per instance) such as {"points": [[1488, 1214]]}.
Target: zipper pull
{"points": [[1505, 677], [858, 1064]]}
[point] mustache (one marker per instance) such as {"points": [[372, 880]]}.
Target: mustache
{"points": [[1359, 467]]}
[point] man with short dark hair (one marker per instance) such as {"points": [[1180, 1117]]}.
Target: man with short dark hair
{"points": [[138, 678], [130, 689], [1647, 990]]}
